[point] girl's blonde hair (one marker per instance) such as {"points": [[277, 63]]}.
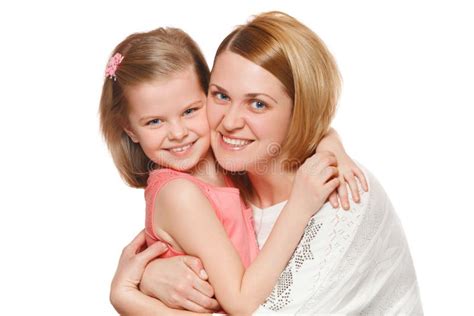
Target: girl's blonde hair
{"points": [[297, 57], [149, 56]]}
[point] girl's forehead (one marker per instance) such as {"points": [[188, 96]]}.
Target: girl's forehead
{"points": [[165, 95]]}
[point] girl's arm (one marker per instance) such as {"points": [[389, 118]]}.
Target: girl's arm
{"points": [[124, 293], [193, 224], [348, 170]]}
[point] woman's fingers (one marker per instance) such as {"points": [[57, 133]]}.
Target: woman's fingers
{"points": [[195, 265], [136, 244], [193, 307], [150, 253], [203, 287], [203, 301]]}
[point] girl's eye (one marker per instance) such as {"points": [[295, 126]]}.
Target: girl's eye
{"points": [[258, 105], [190, 111], [154, 122], [221, 96]]}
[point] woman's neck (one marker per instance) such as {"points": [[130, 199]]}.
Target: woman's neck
{"points": [[271, 188]]}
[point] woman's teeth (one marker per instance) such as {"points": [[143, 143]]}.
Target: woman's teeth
{"points": [[235, 142], [180, 149]]}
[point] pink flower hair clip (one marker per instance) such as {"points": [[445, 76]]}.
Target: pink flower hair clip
{"points": [[112, 65]]}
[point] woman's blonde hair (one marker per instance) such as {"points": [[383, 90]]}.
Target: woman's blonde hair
{"points": [[149, 56], [297, 57]]}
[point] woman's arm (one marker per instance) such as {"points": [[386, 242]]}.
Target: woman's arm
{"points": [[194, 225], [348, 170], [124, 293]]}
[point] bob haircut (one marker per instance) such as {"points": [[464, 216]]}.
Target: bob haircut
{"points": [[297, 57]]}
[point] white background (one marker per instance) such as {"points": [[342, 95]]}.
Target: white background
{"points": [[405, 113]]}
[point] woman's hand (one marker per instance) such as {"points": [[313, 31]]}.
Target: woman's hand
{"points": [[180, 283], [124, 289], [350, 175], [314, 181]]}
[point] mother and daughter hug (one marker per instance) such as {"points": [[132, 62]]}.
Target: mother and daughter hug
{"points": [[237, 166]]}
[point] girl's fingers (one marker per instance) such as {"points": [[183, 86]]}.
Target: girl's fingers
{"points": [[333, 199], [360, 175], [331, 186], [342, 192], [351, 181], [328, 173]]}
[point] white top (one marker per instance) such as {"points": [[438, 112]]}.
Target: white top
{"points": [[264, 219], [348, 262]]}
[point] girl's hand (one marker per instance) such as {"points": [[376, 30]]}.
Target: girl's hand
{"points": [[130, 269], [315, 180], [349, 173]]}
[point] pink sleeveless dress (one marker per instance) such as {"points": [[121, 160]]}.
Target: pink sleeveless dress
{"points": [[227, 204]]}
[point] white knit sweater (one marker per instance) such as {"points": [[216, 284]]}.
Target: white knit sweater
{"points": [[348, 262]]}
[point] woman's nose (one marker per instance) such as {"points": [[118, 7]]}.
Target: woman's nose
{"points": [[177, 131], [233, 118]]}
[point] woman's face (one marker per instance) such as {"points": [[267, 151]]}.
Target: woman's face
{"points": [[249, 114]]}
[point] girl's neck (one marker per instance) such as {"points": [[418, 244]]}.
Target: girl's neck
{"points": [[271, 188], [207, 171]]}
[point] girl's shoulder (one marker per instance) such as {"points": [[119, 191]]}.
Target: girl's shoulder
{"points": [[161, 177], [164, 174]]}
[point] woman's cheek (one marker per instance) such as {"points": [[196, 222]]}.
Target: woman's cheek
{"points": [[214, 115]]}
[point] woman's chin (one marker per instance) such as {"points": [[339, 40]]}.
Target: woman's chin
{"points": [[232, 165]]}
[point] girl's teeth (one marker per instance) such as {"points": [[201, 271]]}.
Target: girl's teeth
{"points": [[180, 149], [235, 142]]}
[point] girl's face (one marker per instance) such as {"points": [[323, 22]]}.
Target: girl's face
{"points": [[168, 119], [249, 114]]}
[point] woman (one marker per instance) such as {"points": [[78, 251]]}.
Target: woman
{"points": [[347, 262]]}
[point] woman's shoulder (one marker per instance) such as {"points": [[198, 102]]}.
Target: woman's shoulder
{"points": [[376, 198]]}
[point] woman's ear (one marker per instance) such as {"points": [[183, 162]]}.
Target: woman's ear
{"points": [[131, 134]]}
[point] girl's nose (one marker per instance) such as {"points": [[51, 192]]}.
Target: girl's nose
{"points": [[178, 131]]}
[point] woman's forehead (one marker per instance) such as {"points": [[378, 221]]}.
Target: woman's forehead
{"points": [[234, 72]]}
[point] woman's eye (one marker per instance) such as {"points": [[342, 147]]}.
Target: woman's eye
{"points": [[190, 111], [221, 96], [258, 105], [154, 122]]}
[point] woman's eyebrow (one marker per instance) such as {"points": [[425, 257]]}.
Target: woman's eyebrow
{"points": [[249, 95], [254, 95], [218, 87]]}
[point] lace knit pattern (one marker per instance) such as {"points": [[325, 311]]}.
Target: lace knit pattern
{"points": [[281, 294], [376, 276], [356, 262]]}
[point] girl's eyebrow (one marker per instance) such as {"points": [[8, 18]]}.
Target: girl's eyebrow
{"points": [[249, 95], [151, 117]]}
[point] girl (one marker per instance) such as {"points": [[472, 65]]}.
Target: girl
{"points": [[153, 117]]}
